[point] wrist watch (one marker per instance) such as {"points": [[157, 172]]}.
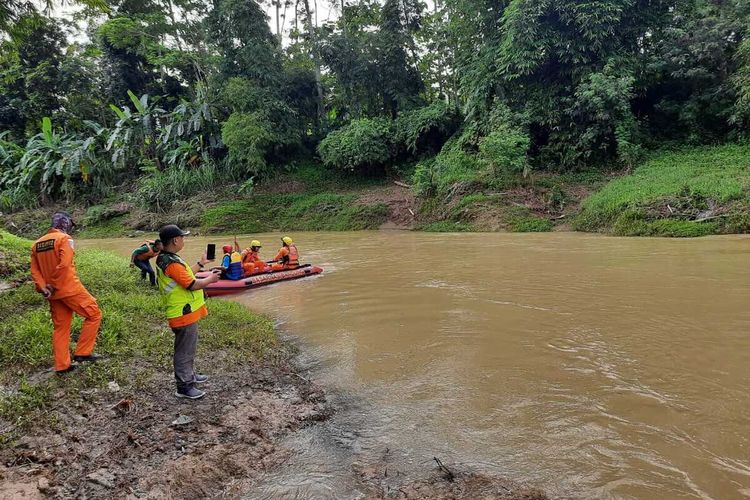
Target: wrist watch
{"points": [[201, 265]]}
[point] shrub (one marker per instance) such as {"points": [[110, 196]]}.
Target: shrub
{"points": [[504, 151], [425, 130], [12, 200], [161, 189], [361, 145], [452, 165], [247, 139]]}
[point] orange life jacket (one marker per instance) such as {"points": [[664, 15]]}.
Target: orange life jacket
{"points": [[292, 256], [150, 253], [249, 256]]}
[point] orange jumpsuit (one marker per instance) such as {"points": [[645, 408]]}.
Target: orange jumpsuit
{"points": [[251, 262], [287, 258], [52, 264]]}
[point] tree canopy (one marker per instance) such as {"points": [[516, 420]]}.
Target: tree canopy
{"points": [[512, 84]]}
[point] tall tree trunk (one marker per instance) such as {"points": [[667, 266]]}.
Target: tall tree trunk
{"points": [[316, 58], [278, 25], [174, 25], [296, 18]]}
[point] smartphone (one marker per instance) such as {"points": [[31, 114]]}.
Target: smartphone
{"points": [[211, 251]]}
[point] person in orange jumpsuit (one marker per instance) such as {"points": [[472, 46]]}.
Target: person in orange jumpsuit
{"points": [[251, 261], [288, 256], [55, 276]]}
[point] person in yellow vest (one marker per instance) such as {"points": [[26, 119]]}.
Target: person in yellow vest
{"points": [[142, 256], [288, 256], [251, 261], [185, 304]]}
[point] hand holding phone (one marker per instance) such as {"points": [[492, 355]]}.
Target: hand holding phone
{"points": [[211, 252]]}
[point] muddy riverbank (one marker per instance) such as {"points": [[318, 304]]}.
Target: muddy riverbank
{"points": [[146, 445]]}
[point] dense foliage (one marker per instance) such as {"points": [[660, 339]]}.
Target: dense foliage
{"points": [[162, 98]]}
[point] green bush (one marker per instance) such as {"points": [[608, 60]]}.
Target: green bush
{"points": [[426, 129], [504, 151], [361, 145], [161, 189], [436, 175], [247, 138], [12, 200]]}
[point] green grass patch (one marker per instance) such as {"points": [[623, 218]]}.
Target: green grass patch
{"points": [[134, 336], [110, 228], [317, 178], [294, 212], [529, 224], [15, 255], [667, 193]]}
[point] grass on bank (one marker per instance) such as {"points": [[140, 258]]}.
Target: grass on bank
{"points": [[689, 192], [134, 337], [480, 212], [294, 212], [14, 257]]}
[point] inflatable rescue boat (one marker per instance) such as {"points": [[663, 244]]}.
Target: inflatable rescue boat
{"points": [[226, 287]]}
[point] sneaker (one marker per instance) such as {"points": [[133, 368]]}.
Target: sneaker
{"points": [[199, 379], [67, 370], [189, 393], [91, 358]]}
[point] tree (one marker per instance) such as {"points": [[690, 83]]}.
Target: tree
{"points": [[30, 73]]}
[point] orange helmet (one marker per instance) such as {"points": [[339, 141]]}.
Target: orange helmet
{"points": [[227, 248]]}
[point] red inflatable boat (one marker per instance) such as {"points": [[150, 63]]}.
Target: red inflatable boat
{"points": [[226, 287]]}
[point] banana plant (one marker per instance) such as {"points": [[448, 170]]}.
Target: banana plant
{"points": [[192, 132], [10, 155], [54, 161], [134, 135]]}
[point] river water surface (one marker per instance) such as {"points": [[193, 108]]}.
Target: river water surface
{"points": [[588, 366]]}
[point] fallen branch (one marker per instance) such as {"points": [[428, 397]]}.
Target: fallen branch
{"points": [[558, 217], [445, 470], [410, 211], [402, 184], [710, 218]]}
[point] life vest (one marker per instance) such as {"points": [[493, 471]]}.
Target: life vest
{"points": [[149, 253], [250, 256], [178, 301], [234, 270], [292, 258]]}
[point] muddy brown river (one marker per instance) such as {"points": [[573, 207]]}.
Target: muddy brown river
{"points": [[589, 366]]}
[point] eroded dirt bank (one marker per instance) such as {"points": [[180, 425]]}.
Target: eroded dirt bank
{"points": [[146, 444]]}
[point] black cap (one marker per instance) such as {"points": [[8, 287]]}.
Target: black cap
{"points": [[171, 231]]}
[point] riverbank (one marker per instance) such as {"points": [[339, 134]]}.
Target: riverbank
{"points": [[545, 202], [682, 193], [688, 192], [115, 429]]}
